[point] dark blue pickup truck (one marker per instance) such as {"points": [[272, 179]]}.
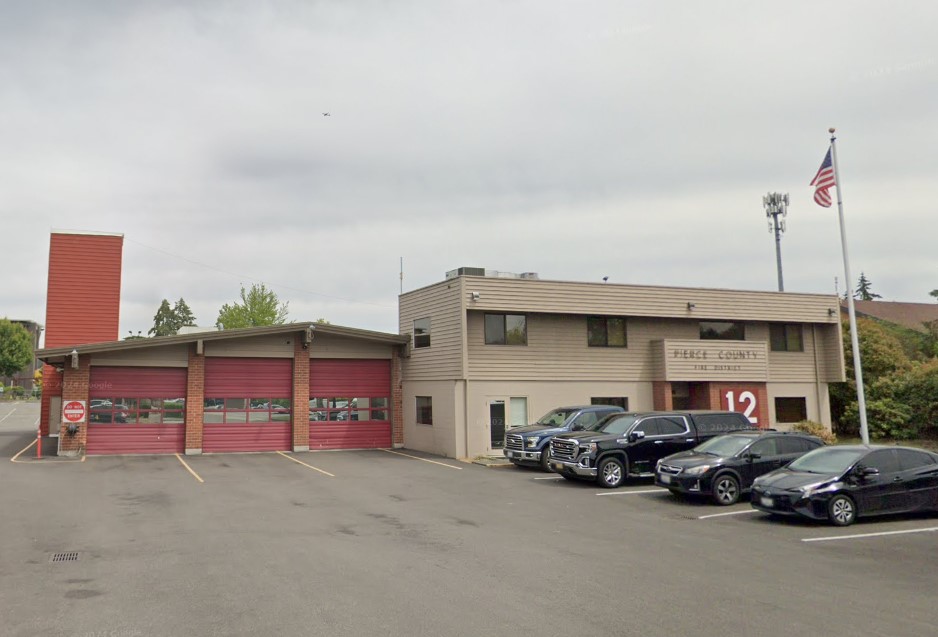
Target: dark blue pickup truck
{"points": [[528, 445]]}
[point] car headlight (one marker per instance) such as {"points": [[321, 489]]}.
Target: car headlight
{"points": [[588, 448], [810, 489], [698, 470], [531, 442]]}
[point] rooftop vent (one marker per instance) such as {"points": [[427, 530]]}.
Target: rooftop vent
{"points": [[494, 274]]}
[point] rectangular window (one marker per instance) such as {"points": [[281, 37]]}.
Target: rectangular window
{"points": [[722, 331], [357, 409], [615, 401], [421, 333], [518, 408], [424, 410], [506, 329], [602, 331], [791, 409], [786, 337], [138, 411], [246, 410]]}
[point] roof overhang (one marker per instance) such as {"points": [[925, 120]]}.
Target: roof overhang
{"points": [[59, 354]]}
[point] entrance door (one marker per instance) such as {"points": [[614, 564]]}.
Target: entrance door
{"points": [[497, 423]]}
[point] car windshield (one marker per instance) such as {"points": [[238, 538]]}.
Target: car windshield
{"points": [[724, 445], [555, 417], [827, 460], [616, 424]]}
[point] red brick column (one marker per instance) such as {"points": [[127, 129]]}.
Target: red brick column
{"points": [[397, 400], [300, 394], [661, 394], [75, 384], [195, 400], [51, 387]]}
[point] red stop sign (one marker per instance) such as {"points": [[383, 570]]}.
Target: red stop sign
{"points": [[74, 411]]}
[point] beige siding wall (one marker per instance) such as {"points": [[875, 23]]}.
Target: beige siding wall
{"points": [[274, 346], [831, 353], [557, 350], [817, 402], [171, 356], [446, 436], [330, 346], [632, 300], [542, 396], [443, 305]]}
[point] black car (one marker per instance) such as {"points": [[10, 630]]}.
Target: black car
{"points": [[842, 483], [724, 467]]}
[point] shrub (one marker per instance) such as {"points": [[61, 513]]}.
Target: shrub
{"points": [[816, 429], [887, 418]]}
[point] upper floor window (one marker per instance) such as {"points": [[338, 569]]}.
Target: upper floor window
{"points": [[786, 337], [722, 331], [506, 329], [422, 333], [602, 331]]}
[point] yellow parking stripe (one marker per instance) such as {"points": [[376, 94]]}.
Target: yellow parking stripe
{"points": [[308, 466], [442, 464], [189, 469]]}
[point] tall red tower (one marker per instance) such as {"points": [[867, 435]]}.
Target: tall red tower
{"points": [[82, 301]]}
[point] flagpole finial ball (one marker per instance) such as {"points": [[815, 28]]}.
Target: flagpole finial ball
{"points": [[831, 130]]}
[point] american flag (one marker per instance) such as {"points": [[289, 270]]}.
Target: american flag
{"points": [[823, 181]]}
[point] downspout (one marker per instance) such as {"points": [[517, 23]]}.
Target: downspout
{"points": [[817, 372]]}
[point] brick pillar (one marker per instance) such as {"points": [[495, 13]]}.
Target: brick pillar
{"points": [[51, 387], [661, 394], [195, 401], [300, 394], [397, 400], [75, 384]]}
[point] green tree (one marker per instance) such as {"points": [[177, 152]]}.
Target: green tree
{"points": [[863, 291], [164, 322], [934, 293], [168, 320], [258, 306], [16, 347], [183, 314]]}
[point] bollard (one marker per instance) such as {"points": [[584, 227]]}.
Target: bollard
{"points": [[39, 444]]}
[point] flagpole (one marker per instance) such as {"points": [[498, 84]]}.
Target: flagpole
{"points": [[854, 340]]}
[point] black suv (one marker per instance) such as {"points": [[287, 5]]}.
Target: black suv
{"points": [[724, 467]]}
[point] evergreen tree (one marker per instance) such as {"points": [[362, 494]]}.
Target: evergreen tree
{"points": [[183, 315], [863, 291], [164, 322], [934, 294]]}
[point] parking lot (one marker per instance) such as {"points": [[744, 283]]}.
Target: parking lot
{"points": [[404, 543]]}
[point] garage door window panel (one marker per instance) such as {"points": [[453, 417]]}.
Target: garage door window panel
{"points": [[357, 409], [137, 411]]}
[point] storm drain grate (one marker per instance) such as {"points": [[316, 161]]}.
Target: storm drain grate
{"points": [[65, 557]]}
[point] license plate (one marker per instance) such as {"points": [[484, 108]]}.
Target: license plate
{"points": [[508, 454], [557, 467], [767, 502], [665, 478]]}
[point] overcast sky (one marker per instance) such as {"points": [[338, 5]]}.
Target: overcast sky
{"points": [[633, 140]]}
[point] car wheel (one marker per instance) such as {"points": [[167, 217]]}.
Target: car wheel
{"points": [[841, 510], [611, 473], [545, 459], [725, 489]]}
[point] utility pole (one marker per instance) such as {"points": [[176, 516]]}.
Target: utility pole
{"points": [[776, 205]]}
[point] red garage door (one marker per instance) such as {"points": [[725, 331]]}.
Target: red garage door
{"points": [[349, 404], [248, 404], [136, 410]]}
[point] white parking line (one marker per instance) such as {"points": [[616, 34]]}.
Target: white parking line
{"points": [[406, 455], [8, 415], [632, 492], [834, 538], [720, 515], [551, 478]]}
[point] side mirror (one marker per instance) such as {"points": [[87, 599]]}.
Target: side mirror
{"points": [[754, 456], [866, 472], [636, 435], [577, 427]]}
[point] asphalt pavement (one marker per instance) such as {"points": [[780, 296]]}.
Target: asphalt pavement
{"points": [[403, 543]]}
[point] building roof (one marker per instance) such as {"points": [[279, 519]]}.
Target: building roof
{"points": [[59, 353], [910, 315]]}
